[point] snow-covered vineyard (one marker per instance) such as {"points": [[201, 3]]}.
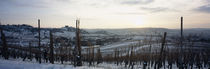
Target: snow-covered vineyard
{"points": [[26, 47], [19, 64]]}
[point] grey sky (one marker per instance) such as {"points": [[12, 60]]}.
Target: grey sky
{"points": [[107, 13]]}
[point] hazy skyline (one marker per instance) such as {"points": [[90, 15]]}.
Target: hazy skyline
{"points": [[107, 13]]}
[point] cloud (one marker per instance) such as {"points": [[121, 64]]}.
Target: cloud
{"points": [[24, 3], [32, 3], [154, 10], [131, 13], [134, 2], [205, 8]]}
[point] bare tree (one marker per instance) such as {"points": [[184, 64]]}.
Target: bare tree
{"points": [[161, 51], [51, 48], [30, 52], [4, 50], [99, 56]]}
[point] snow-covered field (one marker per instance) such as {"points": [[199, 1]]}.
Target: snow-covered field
{"points": [[15, 64], [19, 64]]}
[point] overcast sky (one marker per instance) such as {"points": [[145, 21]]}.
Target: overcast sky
{"points": [[107, 13]]}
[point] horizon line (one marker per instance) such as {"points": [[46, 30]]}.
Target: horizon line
{"points": [[109, 28]]}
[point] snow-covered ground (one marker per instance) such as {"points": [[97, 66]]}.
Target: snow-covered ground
{"points": [[19, 64], [15, 64]]}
